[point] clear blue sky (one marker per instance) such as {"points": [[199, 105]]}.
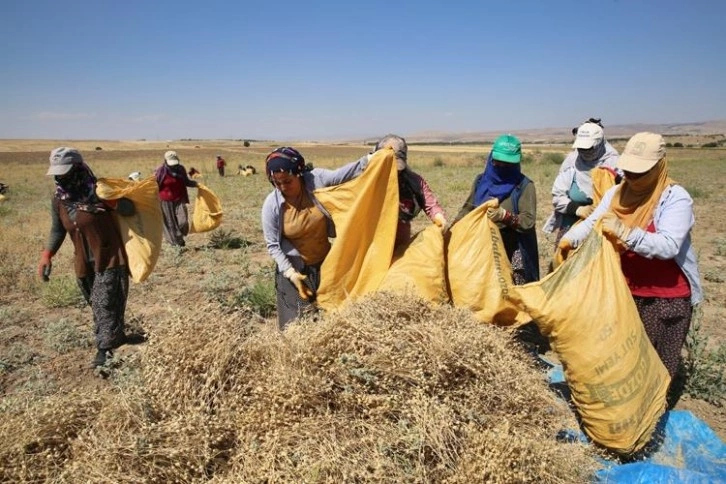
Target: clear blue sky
{"points": [[332, 69]]}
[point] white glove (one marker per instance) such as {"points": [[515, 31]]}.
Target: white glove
{"points": [[298, 281]]}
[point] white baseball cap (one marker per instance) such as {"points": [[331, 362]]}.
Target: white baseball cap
{"points": [[588, 136]]}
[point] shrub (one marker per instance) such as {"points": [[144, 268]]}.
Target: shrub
{"points": [[225, 239], [678, 145], [711, 144], [439, 162], [553, 158], [705, 369], [260, 297], [60, 292], [63, 336], [98, 148], [246, 144]]}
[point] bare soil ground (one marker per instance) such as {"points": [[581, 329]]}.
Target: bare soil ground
{"points": [[38, 360]]}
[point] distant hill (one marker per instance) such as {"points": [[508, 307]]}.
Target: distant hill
{"points": [[564, 134]]}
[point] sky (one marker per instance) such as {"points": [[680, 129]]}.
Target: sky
{"points": [[331, 69]]}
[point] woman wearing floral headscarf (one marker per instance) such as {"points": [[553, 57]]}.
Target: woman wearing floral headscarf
{"points": [[503, 179], [99, 259], [297, 227], [649, 217]]}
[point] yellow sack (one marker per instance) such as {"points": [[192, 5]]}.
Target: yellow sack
{"points": [[480, 275], [141, 232], [419, 268], [617, 380], [602, 180], [207, 214], [365, 213]]}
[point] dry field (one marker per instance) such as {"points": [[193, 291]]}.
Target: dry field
{"points": [[45, 333]]}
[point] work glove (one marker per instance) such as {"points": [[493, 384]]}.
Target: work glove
{"points": [[298, 281], [614, 228], [497, 214], [584, 211], [440, 220], [45, 265], [563, 250]]}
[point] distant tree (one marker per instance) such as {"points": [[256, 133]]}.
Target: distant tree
{"points": [[678, 144], [98, 148], [712, 144], [246, 144]]}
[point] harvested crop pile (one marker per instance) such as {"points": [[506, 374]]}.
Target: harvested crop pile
{"points": [[389, 389]]}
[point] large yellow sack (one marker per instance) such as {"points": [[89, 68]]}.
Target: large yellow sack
{"points": [[365, 213], [617, 380], [479, 273], [602, 180], [207, 214], [142, 231], [419, 268]]}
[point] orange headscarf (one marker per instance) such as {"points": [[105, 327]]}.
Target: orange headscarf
{"points": [[635, 201]]}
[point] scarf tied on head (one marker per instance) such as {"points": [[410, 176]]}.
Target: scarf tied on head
{"points": [[497, 181], [636, 200], [77, 189]]}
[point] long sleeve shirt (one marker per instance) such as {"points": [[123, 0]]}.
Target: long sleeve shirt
{"points": [[673, 219], [280, 248]]}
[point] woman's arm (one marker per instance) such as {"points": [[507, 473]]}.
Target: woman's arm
{"points": [[672, 225], [271, 230], [326, 178]]}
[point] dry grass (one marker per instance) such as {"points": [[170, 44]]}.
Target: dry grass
{"points": [[388, 389], [213, 387]]}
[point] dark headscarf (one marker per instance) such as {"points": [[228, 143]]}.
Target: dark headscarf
{"points": [[78, 188], [497, 181], [284, 160]]}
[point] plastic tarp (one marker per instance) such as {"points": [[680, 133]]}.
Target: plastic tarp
{"points": [[687, 451]]}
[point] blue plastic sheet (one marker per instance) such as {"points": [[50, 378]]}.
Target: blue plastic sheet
{"points": [[685, 450]]}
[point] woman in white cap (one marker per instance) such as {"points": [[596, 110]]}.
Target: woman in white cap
{"points": [[414, 194], [573, 193], [173, 181], [99, 256], [649, 217]]}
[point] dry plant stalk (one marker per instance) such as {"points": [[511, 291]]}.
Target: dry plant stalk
{"points": [[387, 389]]}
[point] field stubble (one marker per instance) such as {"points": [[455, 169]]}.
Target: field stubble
{"points": [[31, 357]]}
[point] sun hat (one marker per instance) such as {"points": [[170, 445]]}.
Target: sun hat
{"points": [[62, 160], [507, 148], [399, 146], [171, 158], [588, 135], [642, 152]]}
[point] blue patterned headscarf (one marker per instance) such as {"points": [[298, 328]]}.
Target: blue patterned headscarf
{"points": [[497, 181]]}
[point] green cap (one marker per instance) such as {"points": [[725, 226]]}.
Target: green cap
{"points": [[507, 148]]}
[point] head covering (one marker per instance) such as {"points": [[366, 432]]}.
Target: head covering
{"points": [[400, 149], [77, 187], [636, 199], [497, 181], [589, 135], [286, 160], [642, 152], [171, 158], [62, 160], [507, 148]]}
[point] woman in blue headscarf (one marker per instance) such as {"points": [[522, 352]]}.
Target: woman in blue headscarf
{"points": [[503, 179]]}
